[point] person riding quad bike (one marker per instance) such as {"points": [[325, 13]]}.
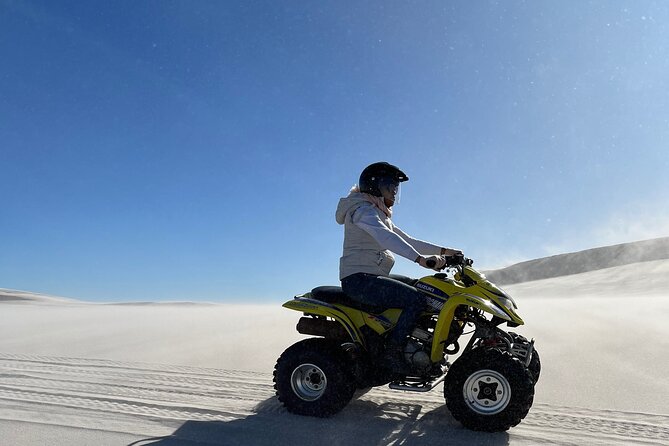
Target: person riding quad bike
{"points": [[370, 239]]}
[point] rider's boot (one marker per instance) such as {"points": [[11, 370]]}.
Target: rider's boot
{"points": [[393, 360]]}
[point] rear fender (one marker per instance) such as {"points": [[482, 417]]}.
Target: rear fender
{"points": [[341, 314]]}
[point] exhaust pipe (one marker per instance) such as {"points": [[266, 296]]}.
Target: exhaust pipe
{"points": [[321, 327]]}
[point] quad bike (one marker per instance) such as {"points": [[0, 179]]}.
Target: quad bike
{"points": [[489, 387]]}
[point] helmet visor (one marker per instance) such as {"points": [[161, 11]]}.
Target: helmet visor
{"points": [[390, 190]]}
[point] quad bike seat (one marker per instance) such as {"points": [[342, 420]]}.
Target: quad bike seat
{"points": [[335, 295]]}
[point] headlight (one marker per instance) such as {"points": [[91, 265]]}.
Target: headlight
{"points": [[508, 303], [507, 300]]}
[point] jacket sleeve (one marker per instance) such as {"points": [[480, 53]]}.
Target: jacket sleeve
{"points": [[367, 219], [424, 248]]}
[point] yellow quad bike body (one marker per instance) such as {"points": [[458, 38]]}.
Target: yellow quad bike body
{"points": [[489, 387]]}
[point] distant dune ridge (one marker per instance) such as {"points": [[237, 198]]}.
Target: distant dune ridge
{"points": [[27, 296], [582, 261], [544, 268]]}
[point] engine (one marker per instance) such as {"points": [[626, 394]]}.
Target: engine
{"points": [[417, 349]]}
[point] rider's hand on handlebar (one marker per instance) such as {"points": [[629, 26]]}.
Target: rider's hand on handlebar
{"points": [[436, 263]]}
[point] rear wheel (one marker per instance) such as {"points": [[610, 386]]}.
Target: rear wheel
{"points": [[488, 390], [312, 378]]}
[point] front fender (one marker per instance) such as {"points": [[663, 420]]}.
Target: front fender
{"points": [[442, 330]]}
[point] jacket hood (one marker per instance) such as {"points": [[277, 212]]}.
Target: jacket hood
{"points": [[348, 204]]}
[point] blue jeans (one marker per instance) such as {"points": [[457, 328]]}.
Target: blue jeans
{"points": [[388, 292]]}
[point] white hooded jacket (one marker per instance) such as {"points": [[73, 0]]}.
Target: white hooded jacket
{"points": [[370, 238]]}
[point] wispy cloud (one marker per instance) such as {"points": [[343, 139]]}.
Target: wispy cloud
{"points": [[632, 226], [641, 221], [489, 260]]}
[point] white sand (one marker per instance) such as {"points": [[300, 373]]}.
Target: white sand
{"points": [[76, 373]]}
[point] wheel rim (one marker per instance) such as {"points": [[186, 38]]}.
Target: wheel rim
{"points": [[487, 392], [308, 382]]}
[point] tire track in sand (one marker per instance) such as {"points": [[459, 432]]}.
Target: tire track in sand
{"points": [[74, 390]]}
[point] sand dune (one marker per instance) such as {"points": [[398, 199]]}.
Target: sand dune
{"points": [[172, 374], [27, 296], [582, 261]]}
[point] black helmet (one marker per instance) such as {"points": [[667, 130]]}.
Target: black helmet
{"points": [[375, 174]]}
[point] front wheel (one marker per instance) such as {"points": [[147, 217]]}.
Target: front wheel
{"points": [[312, 378], [521, 348], [488, 390]]}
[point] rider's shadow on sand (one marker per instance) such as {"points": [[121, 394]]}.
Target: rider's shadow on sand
{"points": [[361, 422]]}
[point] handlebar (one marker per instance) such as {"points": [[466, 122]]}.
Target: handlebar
{"points": [[456, 260]]}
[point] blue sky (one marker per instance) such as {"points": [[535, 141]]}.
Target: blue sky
{"points": [[191, 150]]}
